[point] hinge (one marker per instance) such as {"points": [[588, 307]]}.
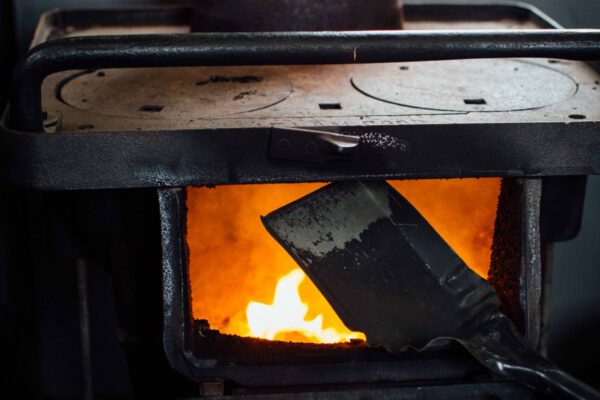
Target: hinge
{"points": [[312, 146]]}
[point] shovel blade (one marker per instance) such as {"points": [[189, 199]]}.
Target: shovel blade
{"points": [[382, 267]]}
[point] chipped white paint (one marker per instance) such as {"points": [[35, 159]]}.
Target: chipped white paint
{"points": [[383, 141]]}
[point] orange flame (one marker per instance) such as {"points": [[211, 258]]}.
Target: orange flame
{"points": [[287, 315]]}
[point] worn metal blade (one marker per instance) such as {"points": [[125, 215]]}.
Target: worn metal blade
{"points": [[381, 266]]}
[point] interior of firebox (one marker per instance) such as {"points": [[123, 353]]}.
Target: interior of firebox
{"points": [[246, 289]]}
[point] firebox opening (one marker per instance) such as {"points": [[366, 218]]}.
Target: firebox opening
{"points": [[243, 283]]}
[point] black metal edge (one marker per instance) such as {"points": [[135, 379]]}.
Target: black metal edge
{"points": [[108, 160], [279, 48], [471, 391], [176, 306], [403, 371], [530, 275], [177, 331]]}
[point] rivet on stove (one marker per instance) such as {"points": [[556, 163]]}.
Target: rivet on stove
{"points": [[284, 144], [310, 147]]}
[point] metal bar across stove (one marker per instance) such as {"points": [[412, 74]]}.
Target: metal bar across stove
{"points": [[279, 48], [102, 160]]}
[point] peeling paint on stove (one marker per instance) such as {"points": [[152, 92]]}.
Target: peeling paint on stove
{"points": [[383, 141]]}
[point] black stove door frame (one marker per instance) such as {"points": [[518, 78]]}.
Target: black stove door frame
{"points": [[178, 332]]}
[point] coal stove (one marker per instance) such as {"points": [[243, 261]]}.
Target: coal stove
{"points": [[123, 121]]}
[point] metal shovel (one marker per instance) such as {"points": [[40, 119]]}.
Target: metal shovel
{"points": [[388, 273]]}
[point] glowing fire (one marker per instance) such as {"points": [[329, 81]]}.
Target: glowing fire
{"points": [[236, 266], [287, 316]]}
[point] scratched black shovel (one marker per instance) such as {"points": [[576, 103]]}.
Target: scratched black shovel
{"points": [[387, 273]]}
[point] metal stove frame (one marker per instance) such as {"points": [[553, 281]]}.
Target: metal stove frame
{"points": [[169, 160], [191, 157]]}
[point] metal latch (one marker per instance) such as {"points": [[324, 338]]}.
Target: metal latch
{"points": [[311, 145]]}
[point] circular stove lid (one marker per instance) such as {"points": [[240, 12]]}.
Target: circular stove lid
{"points": [[466, 85], [174, 93]]}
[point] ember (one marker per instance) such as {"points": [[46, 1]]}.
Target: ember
{"points": [[240, 276]]}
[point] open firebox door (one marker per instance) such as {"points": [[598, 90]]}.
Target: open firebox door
{"points": [[388, 273]]}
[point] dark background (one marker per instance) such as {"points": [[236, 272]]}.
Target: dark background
{"points": [[575, 304]]}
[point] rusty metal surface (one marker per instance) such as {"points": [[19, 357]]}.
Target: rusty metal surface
{"points": [[177, 94], [287, 48], [505, 263], [365, 95], [180, 95], [467, 86]]}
